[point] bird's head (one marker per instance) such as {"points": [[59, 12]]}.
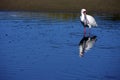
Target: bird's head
{"points": [[83, 11]]}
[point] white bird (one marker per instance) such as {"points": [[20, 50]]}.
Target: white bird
{"points": [[87, 20]]}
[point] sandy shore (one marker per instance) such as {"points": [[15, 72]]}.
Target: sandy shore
{"points": [[111, 6]]}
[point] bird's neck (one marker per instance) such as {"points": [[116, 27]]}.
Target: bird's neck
{"points": [[83, 14]]}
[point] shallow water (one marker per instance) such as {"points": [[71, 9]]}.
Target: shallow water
{"points": [[45, 46]]}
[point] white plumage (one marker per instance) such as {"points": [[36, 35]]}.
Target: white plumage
{"points": [[87, 20]]}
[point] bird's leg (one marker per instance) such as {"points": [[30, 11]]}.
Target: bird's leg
{"points": [[84, 31]]}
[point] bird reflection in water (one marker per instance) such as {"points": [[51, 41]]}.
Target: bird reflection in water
{"points": [[86, 43]]}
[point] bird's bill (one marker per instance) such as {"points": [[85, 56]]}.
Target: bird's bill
{"points": [[84, 12]]}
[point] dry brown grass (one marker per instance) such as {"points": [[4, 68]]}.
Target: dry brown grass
{"points": [[61, 5]]}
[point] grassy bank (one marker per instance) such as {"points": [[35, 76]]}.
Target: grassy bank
{"points": [[111, 6]]}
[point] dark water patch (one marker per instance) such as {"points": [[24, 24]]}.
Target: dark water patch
{"points": [[108, 77], [110, 47], [75, 34], [110, 17]]}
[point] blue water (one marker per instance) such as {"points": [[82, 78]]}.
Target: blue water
{"points": [[45, 46]]}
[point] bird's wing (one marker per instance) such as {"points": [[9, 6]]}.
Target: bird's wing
{"points": [[91, 20]]}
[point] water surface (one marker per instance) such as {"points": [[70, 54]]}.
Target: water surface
{"points": [[45, 46]]}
